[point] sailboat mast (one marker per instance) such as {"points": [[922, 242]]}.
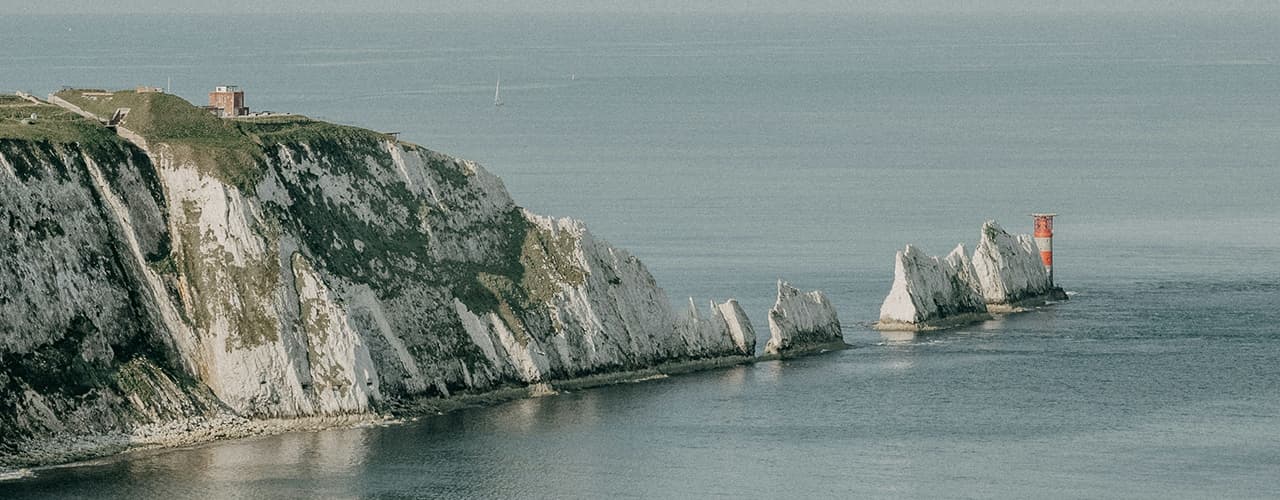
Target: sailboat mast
{"points": [[497, 91]]}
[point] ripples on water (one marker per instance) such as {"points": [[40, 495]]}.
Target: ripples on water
{"points": [[1075, 400]]}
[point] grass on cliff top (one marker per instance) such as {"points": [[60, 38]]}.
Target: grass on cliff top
{"points": [[159, 117], [228, 149], [52, 124], [215, 145], [298, 128]]}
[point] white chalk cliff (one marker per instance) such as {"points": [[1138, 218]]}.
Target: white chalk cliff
{"points": [[800, 322], [1008, 267], [927, 291], [725, 329], [315, 270], [931, 292]]}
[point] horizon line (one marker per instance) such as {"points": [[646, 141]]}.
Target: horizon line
{"points": [[1205, 12]]}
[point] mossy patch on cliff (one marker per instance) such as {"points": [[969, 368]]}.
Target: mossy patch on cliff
{"points": [[325, 139], [219, 285], [992, 231], [36, 160], [330, 230], [538, 265], [548, 261], [508, 266], [29, 145]]}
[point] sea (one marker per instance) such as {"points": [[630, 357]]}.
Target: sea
{"points": [[728, 152]]}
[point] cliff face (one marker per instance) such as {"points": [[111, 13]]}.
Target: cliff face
{"points": [[82, 349], [726, 322], [285, 268], [1008, 267], [928, 290], [802, 321]]}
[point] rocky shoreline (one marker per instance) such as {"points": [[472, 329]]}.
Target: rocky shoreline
{"points": [[807, 321], [64, 451]]}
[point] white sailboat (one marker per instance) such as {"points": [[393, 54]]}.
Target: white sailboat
{"points": [[497, 92]]}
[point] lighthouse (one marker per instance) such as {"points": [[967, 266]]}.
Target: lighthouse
{"points": [[1044, 241]]}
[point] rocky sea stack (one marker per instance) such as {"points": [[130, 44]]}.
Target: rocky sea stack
{"points": [[1009, 269], [1004, 275], [802, 322], [931, 292]]}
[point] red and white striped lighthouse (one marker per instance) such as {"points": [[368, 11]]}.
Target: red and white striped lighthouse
{"points": [[1044, 240]]}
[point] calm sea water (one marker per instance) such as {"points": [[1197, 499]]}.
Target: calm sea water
{"points": [[727, 152]]}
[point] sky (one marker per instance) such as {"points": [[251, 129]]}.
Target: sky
{"points": [[656, 6]]}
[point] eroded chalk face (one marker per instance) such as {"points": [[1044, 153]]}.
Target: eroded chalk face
{"points": [[929, 290], [802, 321], [1008, 267], [292, 268]]}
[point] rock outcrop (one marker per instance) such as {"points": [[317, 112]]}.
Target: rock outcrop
{"points": [[802, 322], [931, 292], [290, 268], [1008, 267], [928, 292], [725, 330]]}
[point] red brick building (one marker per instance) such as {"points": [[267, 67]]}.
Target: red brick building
{"points": [[227, 101]]}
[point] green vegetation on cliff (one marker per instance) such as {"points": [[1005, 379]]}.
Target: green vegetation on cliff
{"points": [[297, 129], [534, 265], [526, 265], [308, 268], [216, 146], [52, 125], [232, 150]]}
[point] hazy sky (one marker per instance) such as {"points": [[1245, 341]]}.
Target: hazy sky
{"points": [[385, 6]]}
